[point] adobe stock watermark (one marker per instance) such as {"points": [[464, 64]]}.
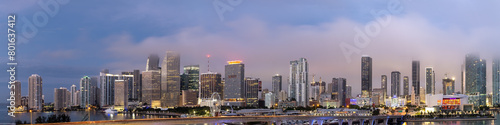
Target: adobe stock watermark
{"points": [[29, 29], [372, 29], [221, 7], [11, 64]]}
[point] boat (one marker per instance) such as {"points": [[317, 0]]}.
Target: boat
{"points": [[111, 111]]}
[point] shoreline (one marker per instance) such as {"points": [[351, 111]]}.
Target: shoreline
{"points": [[450, 119]]}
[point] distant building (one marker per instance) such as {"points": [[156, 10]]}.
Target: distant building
{"points": [[448, 102], [282, 96], [378, 96], [415, 77], [151, 86], [61, 98], [299, 82], [135, 86], [496, 80], [35, 92], [190, 78], [121, 93], [234, 87], [395, 83], [107, 83], [475, 79], [406, 86], [422, 95], [277, 86], [348, 91], [430, 80], [366, 76], [153, 62], [251, 91], [339, 90], [209, 83], [189, 97], [17, 93], [384, 86], [448, 86], [269, 99], [74, 96], [170, 80]]}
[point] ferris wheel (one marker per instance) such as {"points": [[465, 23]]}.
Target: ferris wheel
{"points": [[215, 104]]}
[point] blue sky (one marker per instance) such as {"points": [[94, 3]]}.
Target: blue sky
{"points": [[84, 37]]}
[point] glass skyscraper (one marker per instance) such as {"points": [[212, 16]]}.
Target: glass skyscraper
{"points": [[496, 80], [384, 86], [277, 86], [475, 79], [190, 78], [415, 78], [170, 80], [406, 86], [35, 92], [299, 82], [430, 81], [366, 76], [395, 83], [234, 87]]}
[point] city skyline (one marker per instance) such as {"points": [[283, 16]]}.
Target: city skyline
{"points": [[414, 34]]}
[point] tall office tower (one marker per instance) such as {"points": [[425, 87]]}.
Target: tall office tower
{"points": [[85, 88], [422, 95], [366, 76], [496, 80], [190, 78], [277, 84], [73, 95], [395, 83], [406, 86], [61, 98], [384, 86], [107, 83], [35, 92], [348, 91], [299, 87], [448, 86], [339, 90], [170, 80], [17, 92], [151, 82], [121, 93], [251, 91], [475, 79], [153, 62], [94, 91], [415, 78], [134, 87], [234, 87], [430, 81], [211, 82]]}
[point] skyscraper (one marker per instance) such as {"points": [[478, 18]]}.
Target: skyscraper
{"points": [[348, 91], [61, 98], [430, 81], [74, 96], [35, 92], [415, 78], [88, 88], [448, 86], [121, 93], [406, 86], [251, 91], [170, 80], [366, 76], [17, 92], [234, 87], [210, 82], [153, 62], [395, 83], [496, 80], [475, 79], [299, 82], [191, 77], [384, 86], [107, 83], [277, 84], [151, 82], [134, 87]]}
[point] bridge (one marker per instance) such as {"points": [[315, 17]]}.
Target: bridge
{"points": [[277, 120]]}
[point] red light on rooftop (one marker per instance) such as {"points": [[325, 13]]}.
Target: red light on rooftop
{"points": [[234, 62], [208, 55]]}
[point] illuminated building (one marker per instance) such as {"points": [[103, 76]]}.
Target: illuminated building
{"points": [[170, 80], [415, 78], [107, 83], [299, 82], [378, 96], [277, 86], [88, 91], [269, 99], [234, 87], [189, 97], [384, 86], [395, 83], [475, 79], [190, 78], [151, 87], [251, 91], [430, 81], [74, 96], [448, 86], [134, 89], [447, 102], [366, 76], [61, 98], [121, 93], [496, 80], [406, 86], [35, 92], [17, 92]]}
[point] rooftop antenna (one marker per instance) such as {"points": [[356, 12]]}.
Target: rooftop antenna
{"points": [[208, 58]]}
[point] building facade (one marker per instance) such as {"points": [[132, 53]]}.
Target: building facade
{"points": [[170, 80], [415, 78], [61, 98], [366, 76], [395, 83], [448, 86], [406, 86], [251, 91], [430, 81], [475, 79], [234, 87], [277, 86], [496, 80], [35, 92], [299, 82], [151, 82], [384, 86]]}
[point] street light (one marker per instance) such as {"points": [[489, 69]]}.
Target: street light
{"points": [[31, 117]]}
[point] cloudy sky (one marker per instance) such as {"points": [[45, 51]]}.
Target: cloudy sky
{"points": [[83, 37]]}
